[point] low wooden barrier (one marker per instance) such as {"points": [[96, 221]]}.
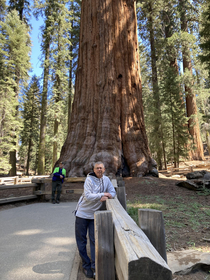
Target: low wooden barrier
{"points": [[18, 180], [180, 170], [135, 256], [38, 185], [14, 199]]}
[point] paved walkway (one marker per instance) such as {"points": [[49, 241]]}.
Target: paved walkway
{"points": [[37, 242]]}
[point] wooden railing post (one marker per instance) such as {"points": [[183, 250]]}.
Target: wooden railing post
{"points": [[121, 195], [152, 224], [104, 245], [15, 180]]}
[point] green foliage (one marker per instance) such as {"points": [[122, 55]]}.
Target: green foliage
{"points": [[174, 40], [60, 35], [14, 67], [56, 111], [2, 9], [22, 7], [175, 128], [163, 95], [29, 137]]}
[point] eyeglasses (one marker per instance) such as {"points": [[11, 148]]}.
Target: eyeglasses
{"points": [[99, 168]]}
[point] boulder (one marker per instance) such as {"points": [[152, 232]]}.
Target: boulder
{"points": [[154, 172], [196, 174], [207, 184], [206, 176]]}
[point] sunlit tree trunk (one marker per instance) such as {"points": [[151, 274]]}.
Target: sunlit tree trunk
{"points": [[41, 156], [70, 83], [160, 149], [12, 154], [191, 107], [107, 115]]}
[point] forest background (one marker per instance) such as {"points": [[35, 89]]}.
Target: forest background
{"points": [[35, 112]]}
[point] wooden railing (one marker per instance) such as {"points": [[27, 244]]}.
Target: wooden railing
{"points": [[16, 180], [37, 183]]}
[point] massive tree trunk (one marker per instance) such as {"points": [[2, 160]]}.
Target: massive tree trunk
{"points": [[107, 116], [191, 107]]}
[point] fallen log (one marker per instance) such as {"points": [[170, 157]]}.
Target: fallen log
{"points": [[135, 257], [189, 185], [15, 199]]}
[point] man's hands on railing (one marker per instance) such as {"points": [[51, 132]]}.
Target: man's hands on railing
{"points": [[105, 197]]}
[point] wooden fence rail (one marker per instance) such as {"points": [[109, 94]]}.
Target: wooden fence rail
{"points": [[37, 183], [135, 256], [17, 180]]}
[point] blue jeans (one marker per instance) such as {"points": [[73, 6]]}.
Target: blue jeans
{"points": [[81, 227]]}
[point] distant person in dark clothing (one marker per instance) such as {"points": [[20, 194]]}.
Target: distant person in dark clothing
{"points": [[58, 177]]}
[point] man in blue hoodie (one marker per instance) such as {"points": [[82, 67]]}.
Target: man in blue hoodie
{"points": [[97, 188], [59, 174]]}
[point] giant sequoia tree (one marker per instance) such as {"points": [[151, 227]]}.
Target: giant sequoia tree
{"points": [[107, 120]]}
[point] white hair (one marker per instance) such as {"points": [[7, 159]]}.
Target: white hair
{"points": [[99, 162]]}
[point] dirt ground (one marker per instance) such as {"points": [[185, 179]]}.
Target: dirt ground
{"points": [[173, 201], [159, 190]]}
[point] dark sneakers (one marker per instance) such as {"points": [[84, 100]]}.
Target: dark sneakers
{"points": [[57, 201], [94, 273], [88, 273], [53, 202]]}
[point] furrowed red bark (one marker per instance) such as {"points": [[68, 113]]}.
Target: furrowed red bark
{"points": [[107, 115]]}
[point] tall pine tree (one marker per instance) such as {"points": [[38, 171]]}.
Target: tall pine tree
{"points": [[14, 63], [31, 122]]}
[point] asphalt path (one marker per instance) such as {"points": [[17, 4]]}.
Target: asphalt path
{"points": [[37, 242]]}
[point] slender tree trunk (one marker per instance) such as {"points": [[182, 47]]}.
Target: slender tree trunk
{"points": [[168, 22], [41, 156], [30, 137], [12, 156], [156, 98], [191, 107], [208, 141], [55, 143], [70, 84], [107, 114], [28, 156], [21, 8], [57, 99]]}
